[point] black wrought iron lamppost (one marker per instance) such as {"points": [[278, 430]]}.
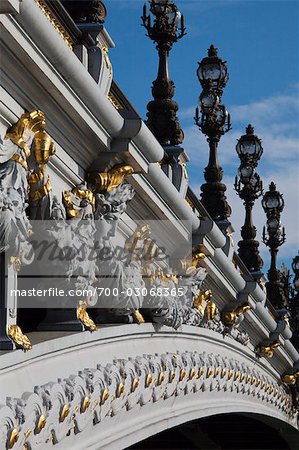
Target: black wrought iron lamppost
{"points": [[167, 28], [273, 205], [213, 120], [249, 187]]}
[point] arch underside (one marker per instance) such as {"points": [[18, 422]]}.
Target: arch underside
{"points": [[234, 431]]}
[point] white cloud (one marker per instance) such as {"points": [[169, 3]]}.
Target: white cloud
{"points": [[268, 109]]}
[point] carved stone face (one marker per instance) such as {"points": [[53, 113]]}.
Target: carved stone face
{"points": [[16, 202], [106, 226]]}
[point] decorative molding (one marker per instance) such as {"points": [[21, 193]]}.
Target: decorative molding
{"points": [[115, 103], [57, 410], [107, 59], [56, 24]]}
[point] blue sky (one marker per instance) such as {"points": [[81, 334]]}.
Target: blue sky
{"points": [[260, 42]]}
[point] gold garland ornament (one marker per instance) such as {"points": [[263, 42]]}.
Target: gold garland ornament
{"points": [[230, 317], [290, 378], [107, 181], [15, 333], [83, 317], [268, 350]]}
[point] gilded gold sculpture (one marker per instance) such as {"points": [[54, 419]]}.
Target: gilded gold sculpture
{"points": [[216, 373], [211, 310], [138, 317], [105, 396], [85, 403], [198, 302], [142, 232], [28, 432], [107, 60], [120, 390], [184, 167], [15, 333], [14, 436], [189, 203], [230, 317], [107, 181], [161, 377], [113, 100], [167, 277], [42, 192], [15, 261], [197, 256], [149, 379], [84, 318], [135, 384], [268, 350], [31, 121], [192, 374], [84, 194], [290, 378], [65, 412], [44, 147], [55, 23], [183, 374], [71, 212], [77, 194], [41, 423]]}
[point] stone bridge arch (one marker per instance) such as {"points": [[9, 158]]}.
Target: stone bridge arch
{"points": [[225, 431], [124, 384]]}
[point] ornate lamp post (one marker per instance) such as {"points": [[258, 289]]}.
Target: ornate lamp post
{"points": [[249, 187], [273, 205], [167, 28], [214, 122]]}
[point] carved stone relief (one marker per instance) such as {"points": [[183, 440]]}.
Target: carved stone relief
{"points": [[87, 217], [56, 410], [24, 153]]}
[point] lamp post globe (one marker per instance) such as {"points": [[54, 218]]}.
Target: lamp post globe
{"points": [[246, 173], [249, 146], [208, 101], [213, 69], [272, 202]]}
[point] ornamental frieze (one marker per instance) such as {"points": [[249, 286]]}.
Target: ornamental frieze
{"points": [[52, 412]]}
